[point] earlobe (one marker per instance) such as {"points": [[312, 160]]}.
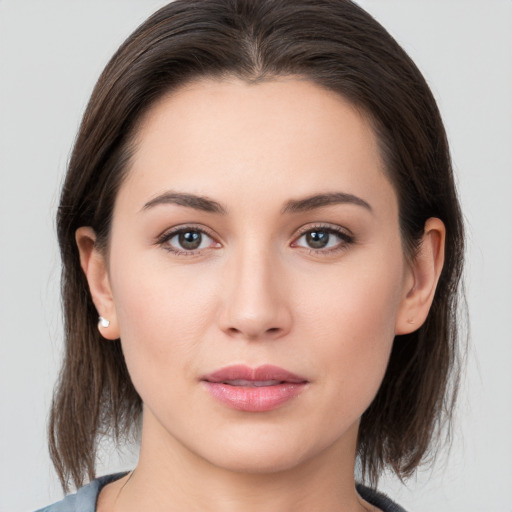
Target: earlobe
{"points": [[425, 270], [94, 266]]}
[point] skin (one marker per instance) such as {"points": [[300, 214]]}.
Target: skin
{"points": [[255, 293]]}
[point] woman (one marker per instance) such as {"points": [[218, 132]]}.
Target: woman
{"points": [[262, 247]]}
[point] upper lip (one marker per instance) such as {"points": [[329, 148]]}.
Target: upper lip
{"points": [[262, 373]]}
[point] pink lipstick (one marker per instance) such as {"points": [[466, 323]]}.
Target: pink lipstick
{"points": [[253, 389]]}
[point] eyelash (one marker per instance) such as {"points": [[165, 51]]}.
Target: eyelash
{"points": [[345, 239], [164, 239]]}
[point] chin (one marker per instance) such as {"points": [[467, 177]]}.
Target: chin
{"points": [[258, 461], [263, 452]]}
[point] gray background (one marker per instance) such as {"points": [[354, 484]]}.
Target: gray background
{"points": [[52, 51]]}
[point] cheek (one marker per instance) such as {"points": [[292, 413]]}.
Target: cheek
{"points": [[359, 301], [352, 322], [163, 313]]}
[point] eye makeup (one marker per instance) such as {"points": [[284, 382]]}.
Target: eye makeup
{"points": [[193, 240]]}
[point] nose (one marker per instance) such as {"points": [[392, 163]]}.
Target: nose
{"points": [[255, 304]]}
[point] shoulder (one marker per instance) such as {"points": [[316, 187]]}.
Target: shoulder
{"points": [[378, 499], [84, 500]]}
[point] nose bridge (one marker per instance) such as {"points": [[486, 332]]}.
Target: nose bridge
{"points": [[255, 305]]}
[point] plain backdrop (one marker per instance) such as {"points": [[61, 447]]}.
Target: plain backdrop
{"points": [[51, 53]]}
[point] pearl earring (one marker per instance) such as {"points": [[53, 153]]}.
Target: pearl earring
{"points": [[103, 322]]}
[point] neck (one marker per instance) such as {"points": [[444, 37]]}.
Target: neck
{"points": [[169, 477]]}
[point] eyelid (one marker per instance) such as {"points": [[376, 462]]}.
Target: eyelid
{"points": [[334, 228], [345, 235], [168, 234]]}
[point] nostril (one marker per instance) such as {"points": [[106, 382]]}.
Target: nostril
{"points": [[271, 331]]}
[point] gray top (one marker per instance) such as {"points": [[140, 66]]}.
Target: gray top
{"points": [[85, 498]]}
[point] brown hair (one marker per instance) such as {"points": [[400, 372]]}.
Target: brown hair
{"points": [[337, 45]]}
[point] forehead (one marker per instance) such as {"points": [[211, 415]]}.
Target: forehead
{"points": [[285, 136]]}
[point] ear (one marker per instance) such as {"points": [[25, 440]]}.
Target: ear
{"points": [[95, 268], [422, 277]]}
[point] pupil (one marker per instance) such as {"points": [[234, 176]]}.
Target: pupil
{"points": [[317, 239], [190, 239]]}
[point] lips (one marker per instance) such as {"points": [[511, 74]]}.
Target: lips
{"points": [[254, 389]]}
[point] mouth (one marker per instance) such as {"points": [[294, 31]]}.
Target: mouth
{"points": [[252, 383], [254, 389]]}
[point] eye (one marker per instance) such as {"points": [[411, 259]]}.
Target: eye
{"points": [[187, 240], [323, 239]]}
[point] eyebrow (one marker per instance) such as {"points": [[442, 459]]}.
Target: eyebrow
{"points": [[321, 200], [293, 206], [189, 200]]}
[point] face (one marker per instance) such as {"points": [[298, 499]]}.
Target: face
{"points": [[256, 272]]}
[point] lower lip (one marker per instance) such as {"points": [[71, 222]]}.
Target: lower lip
{"points": [[254, 399]]}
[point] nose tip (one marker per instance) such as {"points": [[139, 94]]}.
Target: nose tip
{"points": [[255, 304]]}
